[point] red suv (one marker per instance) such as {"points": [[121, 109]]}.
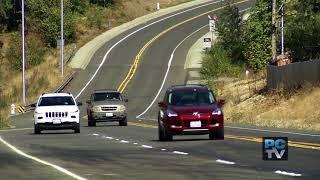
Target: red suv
{"points": [[190, 109]]}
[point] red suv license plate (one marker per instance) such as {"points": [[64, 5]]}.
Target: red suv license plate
{"points": [[195, 124]]}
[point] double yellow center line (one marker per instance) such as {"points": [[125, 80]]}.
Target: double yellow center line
{"points": [[134, 66]]}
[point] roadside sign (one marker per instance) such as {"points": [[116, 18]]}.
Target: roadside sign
{"points": [[59, 43], [207, 42], [211, 25]]}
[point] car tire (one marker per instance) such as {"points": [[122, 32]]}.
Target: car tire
{"points": [[217, 134], [123, 122], [163, 134], [37, 129], [77, 128], [91, 122]]}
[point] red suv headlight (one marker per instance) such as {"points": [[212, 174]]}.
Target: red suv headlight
{"points": [[171, 113]]}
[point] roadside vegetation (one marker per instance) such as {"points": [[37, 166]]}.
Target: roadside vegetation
{"points": [[83, 20], [246, 46]]}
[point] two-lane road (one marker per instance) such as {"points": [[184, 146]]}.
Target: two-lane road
{"points": [[134, 152]]}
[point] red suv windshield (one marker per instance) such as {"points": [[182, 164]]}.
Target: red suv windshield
{"points": [[190, 98]]}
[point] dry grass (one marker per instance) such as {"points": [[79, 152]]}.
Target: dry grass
{"points": [[43, 78], [294, 109]]}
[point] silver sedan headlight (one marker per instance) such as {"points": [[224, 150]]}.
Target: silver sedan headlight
{"points": [[96, 108], [122, 108]]}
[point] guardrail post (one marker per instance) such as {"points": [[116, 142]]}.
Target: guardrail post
{"points": [[13, 109]]}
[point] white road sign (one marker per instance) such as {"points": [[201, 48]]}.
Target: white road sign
{"points": [[207, 42]]}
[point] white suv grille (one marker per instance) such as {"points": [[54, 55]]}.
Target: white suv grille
{"points": [[56, 114]]}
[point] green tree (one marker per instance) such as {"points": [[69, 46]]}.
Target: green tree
{"points": [[229, 30], [103, 3], [302, 29], [79, 6], [45, 17], [5, 8], [257, 36]]}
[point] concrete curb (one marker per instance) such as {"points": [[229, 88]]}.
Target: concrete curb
{"points": [[86, 52]]}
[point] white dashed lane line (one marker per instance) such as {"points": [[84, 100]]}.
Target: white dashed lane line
{"points": [[287, 173], [220, 161], [124, 141], [179, 152], [225, 162], [146, 146]]}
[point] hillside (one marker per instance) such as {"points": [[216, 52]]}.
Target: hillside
{"points": [[84, 20]]}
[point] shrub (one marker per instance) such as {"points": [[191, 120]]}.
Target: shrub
{"points": [[95, 17], [217, 63], [103, 3]]}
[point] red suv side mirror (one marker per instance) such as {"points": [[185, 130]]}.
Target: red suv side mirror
{"points": [[161, 104]]}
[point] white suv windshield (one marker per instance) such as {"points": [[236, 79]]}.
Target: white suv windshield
{"points": [[56, 101]]}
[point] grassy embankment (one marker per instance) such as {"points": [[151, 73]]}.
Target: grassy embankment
{"points": [[45, 76], [249, 104]]}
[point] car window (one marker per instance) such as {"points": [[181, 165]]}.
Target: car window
{"points": [[56, 101], [185, 98], [115, 96]]}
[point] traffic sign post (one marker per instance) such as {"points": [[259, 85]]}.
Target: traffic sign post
{"points": [[211, 25]]}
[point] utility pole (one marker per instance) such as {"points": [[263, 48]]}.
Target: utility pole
{"points": [[62, 40], [274, 31], [23, 57], [282, 27]]}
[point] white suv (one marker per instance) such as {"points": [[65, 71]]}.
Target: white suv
{"points": [[56, 111]]}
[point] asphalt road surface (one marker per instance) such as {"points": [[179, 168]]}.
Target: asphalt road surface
{"points": [[134, 152]]}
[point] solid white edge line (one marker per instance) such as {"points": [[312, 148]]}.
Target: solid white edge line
{"points": [[273, 131], [108, 52], [225, 162], [61, 169], [287, 173], [169, 65], [20, 129]]}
